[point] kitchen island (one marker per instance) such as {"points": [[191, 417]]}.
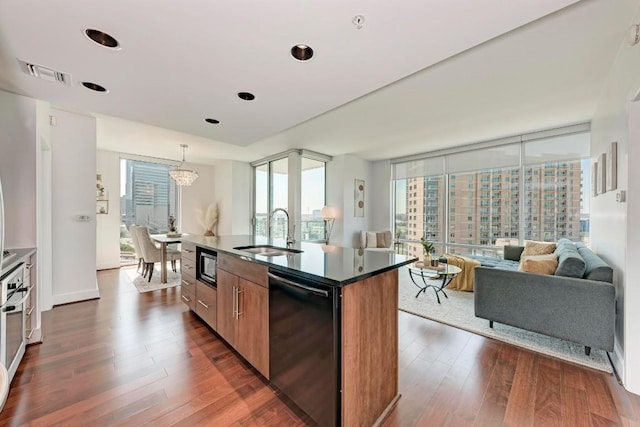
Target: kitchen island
{"points": [[319, 322]]}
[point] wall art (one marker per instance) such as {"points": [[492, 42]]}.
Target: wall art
{"points": [[358, 208], [602, 175], [594, 179], [612, 166]]}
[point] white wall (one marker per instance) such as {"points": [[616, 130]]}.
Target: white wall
{"points": [[632, 273], [197, 196], [74, 175], [108, 225], [43, 294], [342, 172], [381, 196], [232, 192], [241, 201], [18, 153], [612, 232]]}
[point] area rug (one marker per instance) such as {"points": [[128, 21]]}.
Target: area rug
{"points": [[458, 311], [173, 279]]}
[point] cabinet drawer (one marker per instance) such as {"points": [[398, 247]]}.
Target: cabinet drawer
{"points": [[189, 251], [251, 271], [188, 282], [188, 296], [188, 266], [206, 300]]}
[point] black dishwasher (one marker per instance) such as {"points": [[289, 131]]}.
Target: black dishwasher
{"points": [[304, 344]]}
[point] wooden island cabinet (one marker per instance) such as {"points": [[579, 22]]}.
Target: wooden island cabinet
{"points": [[243, 309], [365, 317]]}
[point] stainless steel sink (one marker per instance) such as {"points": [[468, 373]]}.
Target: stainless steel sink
{"points": [[268, 250]]}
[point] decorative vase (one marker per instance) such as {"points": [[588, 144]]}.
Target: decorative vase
{"points": [[427, 259]]}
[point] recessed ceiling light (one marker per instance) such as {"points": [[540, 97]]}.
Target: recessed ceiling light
{"points": [[212, 121], [246, 96], [94, 86], [102, 38], [302, 52]]}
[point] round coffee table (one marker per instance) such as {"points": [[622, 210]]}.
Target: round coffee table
{"points": [[437, 278]]}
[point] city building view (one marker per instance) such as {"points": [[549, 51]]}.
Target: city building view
{"points": [[480, 213], [148, 197]]}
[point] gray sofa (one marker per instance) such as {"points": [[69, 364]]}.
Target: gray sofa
{"points": [[576, 304]]}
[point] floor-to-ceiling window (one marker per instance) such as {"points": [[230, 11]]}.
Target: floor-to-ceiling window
{"points": [[261, 200], [279, 196], [148, 196], [312, 199], [476, 200], [274, 184]]}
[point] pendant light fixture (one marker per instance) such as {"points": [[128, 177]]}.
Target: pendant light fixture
{"points": [[182, 176]]}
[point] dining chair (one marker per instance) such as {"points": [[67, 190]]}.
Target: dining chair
{"points": [[136, 245], [152, 254]]}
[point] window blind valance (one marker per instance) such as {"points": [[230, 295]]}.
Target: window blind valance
{"points": [[558, 148], [417, 168]]}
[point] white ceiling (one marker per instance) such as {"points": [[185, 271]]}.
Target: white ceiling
{"points": [[528, 70]]}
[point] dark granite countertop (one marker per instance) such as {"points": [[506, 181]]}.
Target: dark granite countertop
{"points": [[333, 265], [17, 258]]}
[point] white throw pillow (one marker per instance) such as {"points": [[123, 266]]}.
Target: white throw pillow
{"points": [[372, 240]]}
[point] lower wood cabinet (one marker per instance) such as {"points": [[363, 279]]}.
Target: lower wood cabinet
{"points": [[252, 331], [188, 289], [206, 304], [243, 315]]}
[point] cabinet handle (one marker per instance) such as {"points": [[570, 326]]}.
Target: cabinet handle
{"points": [[28, 266], [188, 267], [29, 333], [203, 304], [189, 251], [233, 301], [186, 298], [28, 314], [184, 282], [238, 312]]}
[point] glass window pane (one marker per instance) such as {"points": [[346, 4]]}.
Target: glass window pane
{"points": [[261, 200], [490, 205], [279, 196], [554, 201], [312, 197], [148, 197], [419, 207]]}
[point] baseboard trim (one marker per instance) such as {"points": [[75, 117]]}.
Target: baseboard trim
{"points": [[36, 337], [617, 361], [75, 297]]}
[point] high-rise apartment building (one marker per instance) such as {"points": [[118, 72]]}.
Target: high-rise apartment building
{"points": [[148, 195], [483, 207]]}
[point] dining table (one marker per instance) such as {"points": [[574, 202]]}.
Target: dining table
{"points": [[165, 240]]}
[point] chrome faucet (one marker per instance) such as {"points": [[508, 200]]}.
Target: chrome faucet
{"points": [[290, 239]]}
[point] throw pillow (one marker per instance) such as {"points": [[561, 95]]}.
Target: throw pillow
{"points": [[372, 240], [380, 243], [540, 266], [536, 258], [531, 247]]}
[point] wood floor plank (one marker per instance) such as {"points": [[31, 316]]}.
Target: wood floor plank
{"points": [[131, 359], [547, 399], [520, 411]]}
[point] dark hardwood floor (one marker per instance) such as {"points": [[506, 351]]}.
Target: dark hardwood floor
{"points": [[132, 359]]}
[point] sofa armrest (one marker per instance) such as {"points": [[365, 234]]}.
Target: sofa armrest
{"points": [[578, 310]]}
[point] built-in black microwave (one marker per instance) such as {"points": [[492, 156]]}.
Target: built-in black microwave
{"points": [[206, 266]]}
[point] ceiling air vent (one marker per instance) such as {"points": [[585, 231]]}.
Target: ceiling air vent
{"points": [[45, 73]]}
